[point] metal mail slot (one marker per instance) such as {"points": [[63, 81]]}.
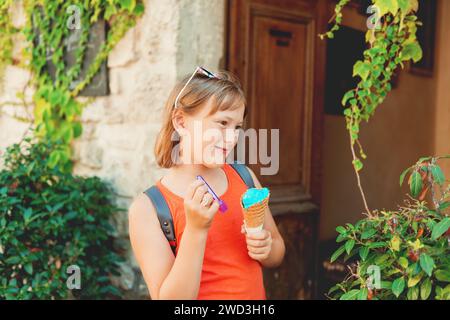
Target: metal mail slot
{"points": [[280, 33]]}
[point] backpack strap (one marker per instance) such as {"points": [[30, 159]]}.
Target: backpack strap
{"points": [[164, 215], [163, 211], [244, 173]]}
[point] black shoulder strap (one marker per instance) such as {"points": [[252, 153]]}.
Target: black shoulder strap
{"points": [[163, 211], [164, 215], [244, 173]]}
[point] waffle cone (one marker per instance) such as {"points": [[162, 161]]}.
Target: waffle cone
{"points": [[254, 215]]}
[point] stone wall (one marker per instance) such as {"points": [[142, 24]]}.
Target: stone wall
{"points": [[119, 130]]}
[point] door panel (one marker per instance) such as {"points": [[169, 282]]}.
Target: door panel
{"points": [[278, 90]]}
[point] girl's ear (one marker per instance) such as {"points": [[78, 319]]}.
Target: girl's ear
{"points": [[178, 122]]}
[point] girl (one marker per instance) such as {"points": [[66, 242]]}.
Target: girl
{"points": [[215, 258]]}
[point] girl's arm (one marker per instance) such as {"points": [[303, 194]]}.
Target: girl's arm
{"points": [[168, 277], [277, 247]]}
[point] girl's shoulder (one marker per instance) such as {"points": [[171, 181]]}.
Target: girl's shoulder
{"points": [[141, 205], [143, 217]]}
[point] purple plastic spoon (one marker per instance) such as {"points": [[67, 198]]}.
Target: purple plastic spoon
{"points": [[222, 205]]}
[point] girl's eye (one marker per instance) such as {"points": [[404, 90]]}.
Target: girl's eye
{"points": [[224, 123]]}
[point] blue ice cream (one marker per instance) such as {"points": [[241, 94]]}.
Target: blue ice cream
{"points": [[253, 196]]}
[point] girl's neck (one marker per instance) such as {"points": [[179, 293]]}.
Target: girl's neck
{"points": [[191, 171], [180, 176]]}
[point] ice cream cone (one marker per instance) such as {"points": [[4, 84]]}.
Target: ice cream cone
{"points": [[254, 215]]}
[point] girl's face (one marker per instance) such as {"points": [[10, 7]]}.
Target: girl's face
{"points": [[208, 139]]}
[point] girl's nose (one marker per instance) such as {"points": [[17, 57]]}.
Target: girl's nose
{"points": [[231, 136]]}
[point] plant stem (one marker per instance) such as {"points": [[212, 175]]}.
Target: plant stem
{"points": [[352, 146]]}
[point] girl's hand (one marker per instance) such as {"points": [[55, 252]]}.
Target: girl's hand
{"points": [[200, 206], [259, 244]]}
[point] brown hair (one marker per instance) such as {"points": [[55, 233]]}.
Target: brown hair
{"points": [[224, 88]]}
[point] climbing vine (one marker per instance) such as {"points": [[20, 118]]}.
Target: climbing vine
{"points": [[6, 42], [392, 41], [57, 107]]}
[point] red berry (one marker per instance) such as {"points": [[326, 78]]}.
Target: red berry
{"points": [[420, 233], [413, 256]]}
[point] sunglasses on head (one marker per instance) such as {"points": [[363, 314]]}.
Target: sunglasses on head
{"points": [[200, 70]]}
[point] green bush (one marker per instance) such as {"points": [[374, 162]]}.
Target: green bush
{"points": [[408, 250], [49, 221]]}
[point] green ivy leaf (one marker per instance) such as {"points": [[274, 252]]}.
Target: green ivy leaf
{"points": [[381, 259], [27, 214], [375, 245], [357, 164], [395, 243], [412, 51], [128, 4], [440, 228], [337, 253], [341, 237], [402, 176], [77, 129], [348, 112], [442, 275], [438, 175], [29, 268], [413, 293], [54, 159], [398, 286], [351, 295], [361, 69], [139, 9], [425, 289], [348, 95], [367, 234], [341, 230], [362, 295], [406, 6], [363, 252], [412, 281], [13, 260], [349, 245], [334, 288], [426, 263], [387, 6], [415, 184], [403, 262]]}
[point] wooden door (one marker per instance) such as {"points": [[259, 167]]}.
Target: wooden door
{"points": [[274, 49]]}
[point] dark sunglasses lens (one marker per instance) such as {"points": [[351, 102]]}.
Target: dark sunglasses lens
{"points": [[207, 73]]}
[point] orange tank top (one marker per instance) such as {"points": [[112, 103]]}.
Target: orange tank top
{"points": [[228, 272]]}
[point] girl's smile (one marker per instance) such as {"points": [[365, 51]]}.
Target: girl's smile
{"points": [[225, 151]]}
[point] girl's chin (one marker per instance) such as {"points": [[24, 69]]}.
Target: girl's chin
{"points": [[214, 162]]}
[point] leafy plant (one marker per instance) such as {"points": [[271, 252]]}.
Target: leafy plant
{"points": [[409, 248], [392, 42], [51, 220], [57, 110]]}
